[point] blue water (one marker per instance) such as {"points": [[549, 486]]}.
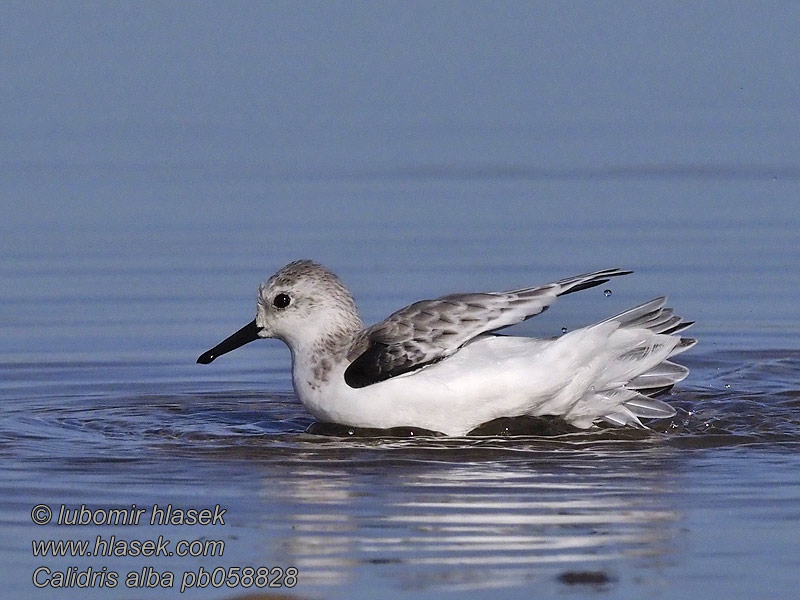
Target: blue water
{"points": [[158, 162]]}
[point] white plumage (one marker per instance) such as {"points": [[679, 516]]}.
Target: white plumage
{"points": [[436, 365]]}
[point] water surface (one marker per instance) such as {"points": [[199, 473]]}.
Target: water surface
{"points": [[158, 161], [104, 406]]}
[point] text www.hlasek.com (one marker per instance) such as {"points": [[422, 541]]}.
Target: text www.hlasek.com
{"points": [[119, 547]]}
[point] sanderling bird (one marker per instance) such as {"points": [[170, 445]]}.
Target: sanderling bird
{"points": [[439, 365]]}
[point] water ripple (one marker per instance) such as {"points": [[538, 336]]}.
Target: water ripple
{"points": [[530, 498]]}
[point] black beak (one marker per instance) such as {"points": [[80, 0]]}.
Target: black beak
{"points": [[247, 334]]}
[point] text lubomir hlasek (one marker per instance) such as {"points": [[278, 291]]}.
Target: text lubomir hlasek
{"points": [[167, 515]]}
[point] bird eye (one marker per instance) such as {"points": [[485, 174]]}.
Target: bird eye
{"points": [[281, 301]]}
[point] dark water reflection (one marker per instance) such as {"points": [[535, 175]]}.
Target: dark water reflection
{"points": [[101, 402], [409, 513], [158, 160]]}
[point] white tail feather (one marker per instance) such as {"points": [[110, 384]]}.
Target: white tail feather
{"points": [[639, 348]]}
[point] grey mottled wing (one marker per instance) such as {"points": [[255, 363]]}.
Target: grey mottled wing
{"points": [[431, 330]]}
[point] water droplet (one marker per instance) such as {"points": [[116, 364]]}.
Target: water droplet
{"points": [[563, 330], [774, 179], [350, 432], [606, 293], [727, 386]]}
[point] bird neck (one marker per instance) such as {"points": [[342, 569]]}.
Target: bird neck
{"points": [[328, 338], [315, 359]]}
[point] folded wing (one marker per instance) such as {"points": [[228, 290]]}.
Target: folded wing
{"points": [[430, 330]]}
